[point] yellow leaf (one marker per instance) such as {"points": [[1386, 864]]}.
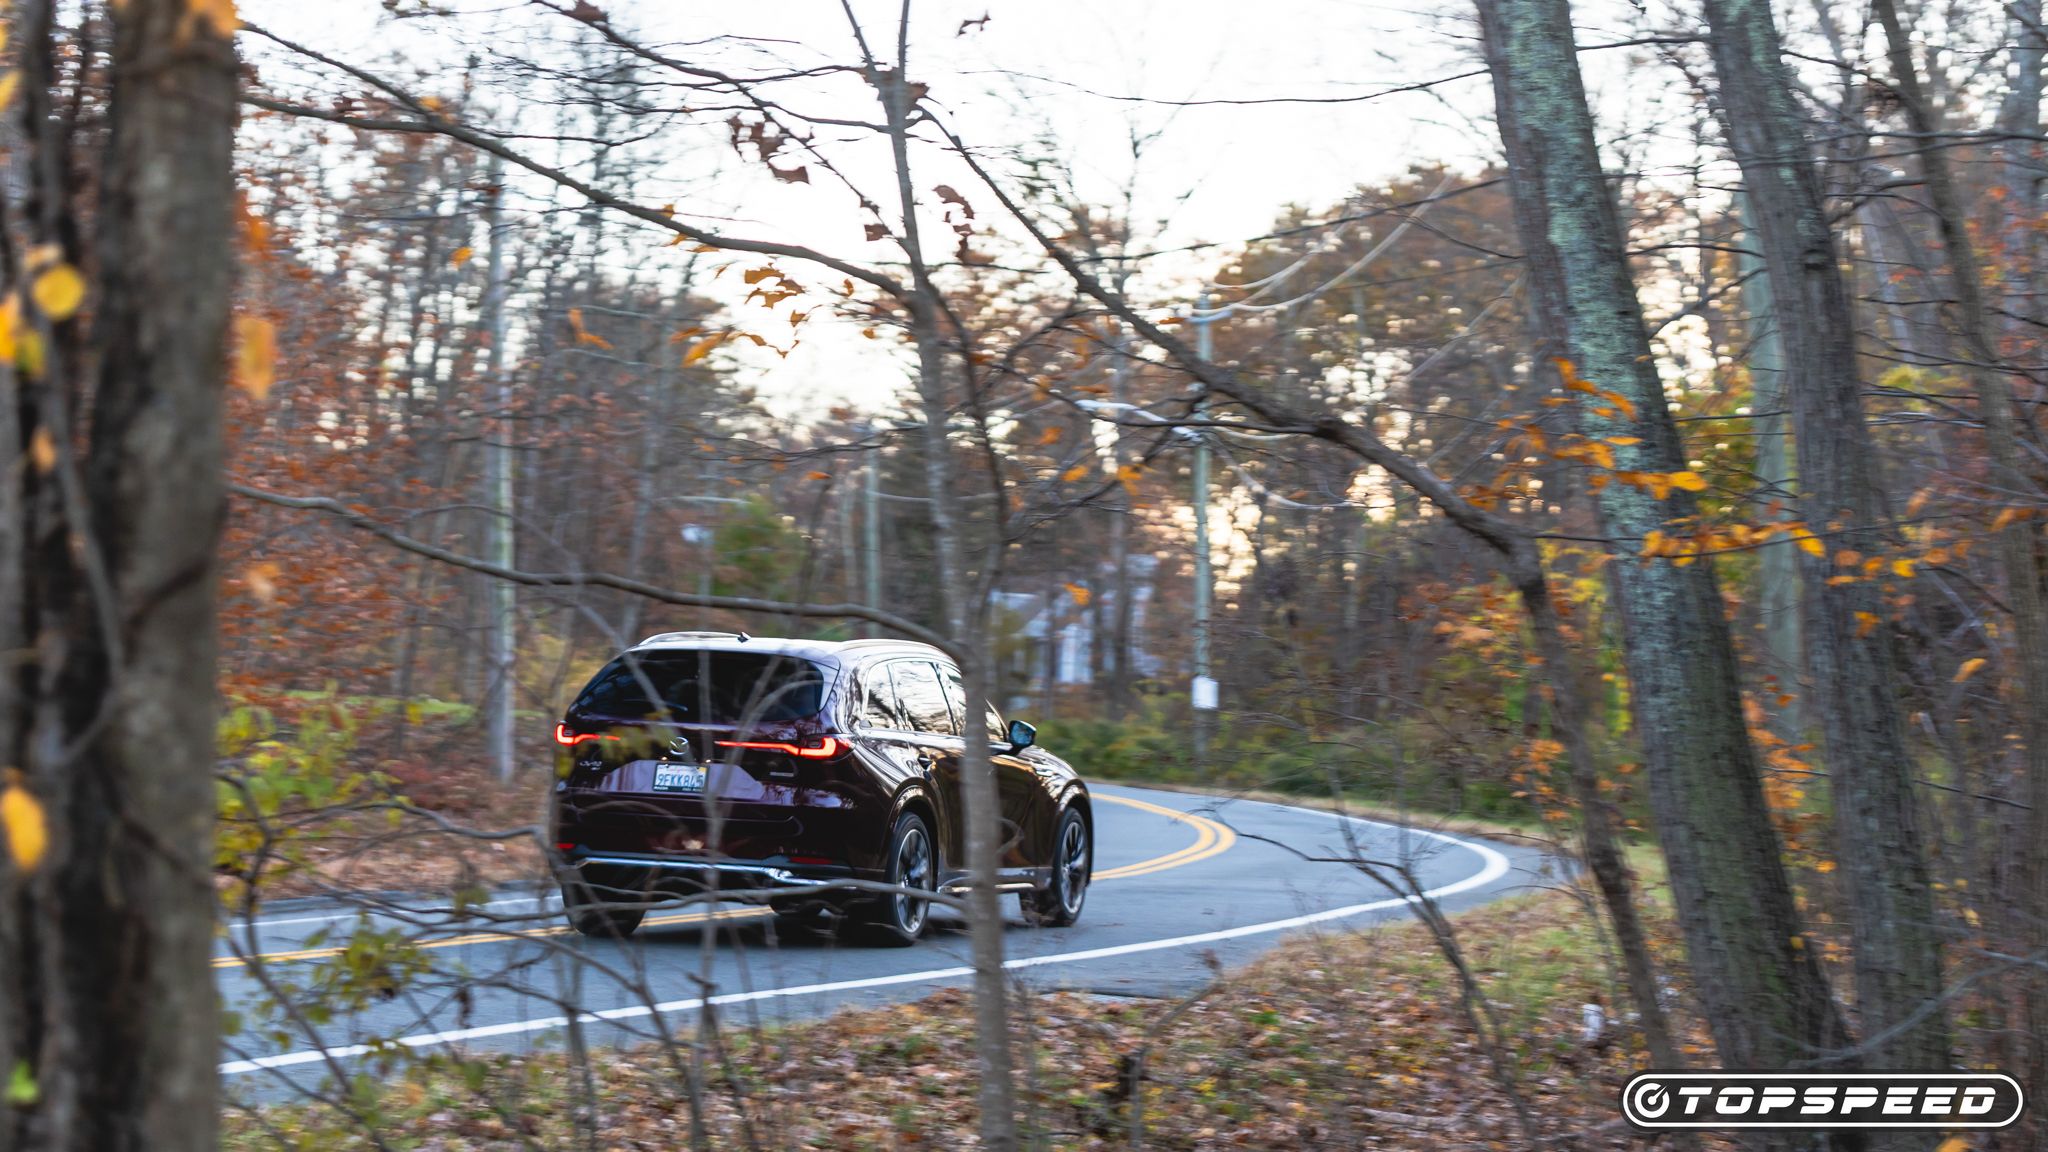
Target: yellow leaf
{"points": [[1824, 866], [1967, 669], [219, 15], [2004, 518], [8, 84], [1953, 1144], [1812, 545], [10, 327], [1902, 568], [262, 581], [1690, 481], [1079, 594], [42, 451], [1075, 474], [461, 255], [59, 291], [1127, 475], [28, 834], [1865, 623], [255, 355]]}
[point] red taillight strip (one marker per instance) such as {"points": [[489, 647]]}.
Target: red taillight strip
{"points": [[828, 747], [569, 739]]}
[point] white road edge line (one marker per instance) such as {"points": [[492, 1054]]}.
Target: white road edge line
{"points": [[1495, 866]]}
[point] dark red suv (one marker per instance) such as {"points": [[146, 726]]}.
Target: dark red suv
{"points": [[709, 760]]}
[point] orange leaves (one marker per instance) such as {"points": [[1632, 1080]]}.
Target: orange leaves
{"points": [[1615, 404], [584, 335], [1077, 473], [261, 580], [255, 368], [1967, 669], [703, 348], [461, 256], [42, 451], [1079, 594], [771, 286]]}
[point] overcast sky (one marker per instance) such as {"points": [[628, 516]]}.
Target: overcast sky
{"points": [[1084, 73]]}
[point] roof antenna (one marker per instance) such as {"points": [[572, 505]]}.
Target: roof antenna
{"points": [[744, 637]]}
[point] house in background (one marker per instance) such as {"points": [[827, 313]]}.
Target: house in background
{"points": [[1046, 641]]}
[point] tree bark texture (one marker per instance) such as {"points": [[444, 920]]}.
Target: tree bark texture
{"points": [[1763, 992], [1851, 650], [108, 942]]}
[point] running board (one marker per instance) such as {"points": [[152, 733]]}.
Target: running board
{"points": [[1002, 886]]}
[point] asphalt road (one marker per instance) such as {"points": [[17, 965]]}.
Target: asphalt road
{"points": [[1179, 879]]}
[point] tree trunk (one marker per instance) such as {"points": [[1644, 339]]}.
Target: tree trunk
{"points": [[1851, 649], [112, 1012], [2017, 543], [1778, 564], [1764, 995]]}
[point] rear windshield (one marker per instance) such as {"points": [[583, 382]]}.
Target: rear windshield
{"points": [[705, 688]]}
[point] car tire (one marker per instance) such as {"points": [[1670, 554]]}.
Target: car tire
{"points": [[897, 920], [598, 909], [1059, 903]]}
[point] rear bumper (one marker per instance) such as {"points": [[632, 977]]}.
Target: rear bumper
{"points": [[820, 834]]}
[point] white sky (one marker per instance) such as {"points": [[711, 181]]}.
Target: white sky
{"points": [[1217, 173]]}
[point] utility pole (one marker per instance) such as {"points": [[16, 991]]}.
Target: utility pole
{"points": [[871, 526], [499, 698], [1202, 692]]}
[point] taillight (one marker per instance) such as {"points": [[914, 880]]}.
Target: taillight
{"points": [[568, 739], [815, 748]]}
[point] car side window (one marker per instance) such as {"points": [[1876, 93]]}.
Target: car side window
{"points": [[956, 692], [878, 704], [922, 698]]}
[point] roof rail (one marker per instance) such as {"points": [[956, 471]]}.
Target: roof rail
{"points": [[705, 635]]}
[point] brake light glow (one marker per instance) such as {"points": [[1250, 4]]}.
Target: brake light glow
{"points": [[568, 739], [825, 748]]}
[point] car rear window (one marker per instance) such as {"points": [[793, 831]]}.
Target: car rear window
{"points": [[705, 688]]}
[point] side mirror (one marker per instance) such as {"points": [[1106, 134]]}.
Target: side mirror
{"points": [[1022, 736]]}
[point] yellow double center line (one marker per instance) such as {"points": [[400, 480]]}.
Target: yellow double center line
{"points": [[1211, 839]]}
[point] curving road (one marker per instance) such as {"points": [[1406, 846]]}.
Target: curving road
{"points": [[1178, 878]]}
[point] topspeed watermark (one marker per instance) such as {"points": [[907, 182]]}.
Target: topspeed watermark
{"points": [[1822, 1100]]}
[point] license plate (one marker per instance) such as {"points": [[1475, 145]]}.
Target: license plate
{"points": [[679, 778]]}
